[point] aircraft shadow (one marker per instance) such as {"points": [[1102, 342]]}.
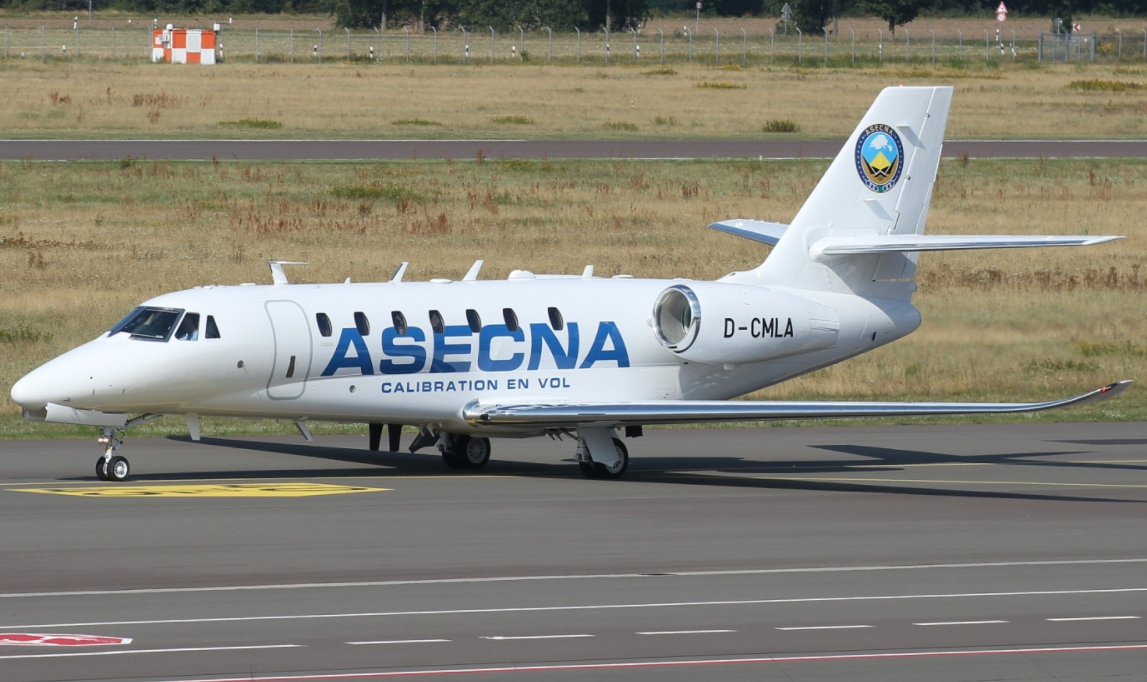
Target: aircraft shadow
{"points": [[730, 472]]}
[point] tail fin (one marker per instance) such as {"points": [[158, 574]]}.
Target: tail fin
{"points": [[879, 184]]}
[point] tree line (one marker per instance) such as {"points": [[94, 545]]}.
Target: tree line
{"points": [[811, 16]]}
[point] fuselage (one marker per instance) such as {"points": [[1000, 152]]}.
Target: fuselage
{"points": [[417, 352]]}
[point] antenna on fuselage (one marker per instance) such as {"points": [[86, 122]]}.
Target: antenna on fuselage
{"points": [[399, 272], [277, 274], [587, 273], [472, 274]]}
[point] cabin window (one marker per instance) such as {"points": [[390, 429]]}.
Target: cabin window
{"points": [[188, 328], [148, 323], [556, 320], [362, 324], [474, 320], [399, 321], [510, 318], [436, 322], [324, 323], [212, 331]]}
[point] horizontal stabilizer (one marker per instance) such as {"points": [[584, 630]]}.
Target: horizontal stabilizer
{"points": [[757, 230], [891, 243], [701, 411]]}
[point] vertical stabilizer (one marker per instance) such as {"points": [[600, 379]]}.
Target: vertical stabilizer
{"points": [[879, 184]]}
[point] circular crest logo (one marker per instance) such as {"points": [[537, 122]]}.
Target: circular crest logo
{"points": [[878, 157]]}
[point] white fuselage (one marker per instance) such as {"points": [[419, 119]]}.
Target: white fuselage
{"points": [[271, 359]]}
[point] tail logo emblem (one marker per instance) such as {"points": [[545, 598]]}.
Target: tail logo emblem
{"points": [[878, 157]]}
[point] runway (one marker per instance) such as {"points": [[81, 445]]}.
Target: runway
{"points": [[311, 150], [867, 553]]}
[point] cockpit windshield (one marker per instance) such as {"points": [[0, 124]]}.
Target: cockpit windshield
{"points": [[148, 323]]}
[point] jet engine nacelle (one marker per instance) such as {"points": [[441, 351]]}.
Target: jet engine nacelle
{"points": [[718, 323]]}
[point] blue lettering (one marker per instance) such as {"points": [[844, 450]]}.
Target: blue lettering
{"points": [[442, 349], [425, 387], [450, 386], [387, 387], [563, 359], [607, 331], [398, 388], [417, 354], [361, 359], [488, 334], [479, 385]]}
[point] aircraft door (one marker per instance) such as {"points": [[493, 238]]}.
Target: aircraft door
{"points": [[292, 350]]}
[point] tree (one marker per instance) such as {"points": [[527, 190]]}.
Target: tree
{"points": [[895, 12], [810, 16]]}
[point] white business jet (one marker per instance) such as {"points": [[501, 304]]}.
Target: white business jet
{"points": [[553, 355]]}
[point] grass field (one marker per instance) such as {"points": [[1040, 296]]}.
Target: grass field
{"points": [[82, 243], [371, 101]]}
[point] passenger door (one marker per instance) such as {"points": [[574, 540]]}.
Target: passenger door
{"points": [[292, 350]]}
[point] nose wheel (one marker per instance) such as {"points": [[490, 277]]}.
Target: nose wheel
{"points": [[111, 467]]}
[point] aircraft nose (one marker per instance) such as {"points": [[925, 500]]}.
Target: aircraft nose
{"points": [[31, 392]]}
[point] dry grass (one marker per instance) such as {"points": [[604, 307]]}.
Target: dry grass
{"points": [[80, 244], [482, 101]]}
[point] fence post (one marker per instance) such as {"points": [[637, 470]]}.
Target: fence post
{"points": [[1144, 42], [907, 46], [521, 43], [465, 46], [551, 33], [690, 43], [347, 42], [407, 29], [432, 28], [987, 40], [717, 47], [77, 38], [491, 43], [113, 46], [772, 45], [378, 44], [960, 45], [1119, 50], [606, 44], [635, 48], [826, 48], [320, 44], [44, 45], [578, 43], [853, 45], [880, 45], [256, 44], [933, 47], [744, 47], [800, 38], [6, 41], [663, 44], [1013, 44]]}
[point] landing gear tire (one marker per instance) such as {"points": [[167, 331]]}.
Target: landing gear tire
{"points": [[118, 469], [102, 469], [618, 469], [472, 453]]}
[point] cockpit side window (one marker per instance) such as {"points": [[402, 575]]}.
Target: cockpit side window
{"points": [[436, 322], [362, 324], [188, 328], [212, 331], [149, 323]]}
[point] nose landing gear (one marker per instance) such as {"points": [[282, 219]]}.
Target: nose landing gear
{"points": [[110, 466]]}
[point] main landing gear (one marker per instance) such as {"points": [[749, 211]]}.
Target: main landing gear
{"points": [[612, 470], [464, 452]]}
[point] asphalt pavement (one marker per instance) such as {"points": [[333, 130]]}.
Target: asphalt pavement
{"points": [[287, 150], [866, 553]]}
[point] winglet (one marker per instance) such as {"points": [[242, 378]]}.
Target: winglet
{"points": [[277, 274]]}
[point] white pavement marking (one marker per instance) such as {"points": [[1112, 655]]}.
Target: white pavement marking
{"points": [[585, 607], [964, 622], [1068, 620], [600, 576], [503, 670], [686, 632], [826, 627], [402, 641], [503, 638], [128, 652]]}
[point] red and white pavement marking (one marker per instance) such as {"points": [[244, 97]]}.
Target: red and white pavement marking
{"points": [[40, 639]]}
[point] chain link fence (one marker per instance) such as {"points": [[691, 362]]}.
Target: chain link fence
{"points": [[738, 48]]}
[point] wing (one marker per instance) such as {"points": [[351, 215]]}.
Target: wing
{"points": [[892, 243], [552, 415]]}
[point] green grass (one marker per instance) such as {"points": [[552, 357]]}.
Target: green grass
{"points": [[257, 123], [1096, 84]]}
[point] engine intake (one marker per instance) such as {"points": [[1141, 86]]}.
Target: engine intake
{"points": [[714, 322]]}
